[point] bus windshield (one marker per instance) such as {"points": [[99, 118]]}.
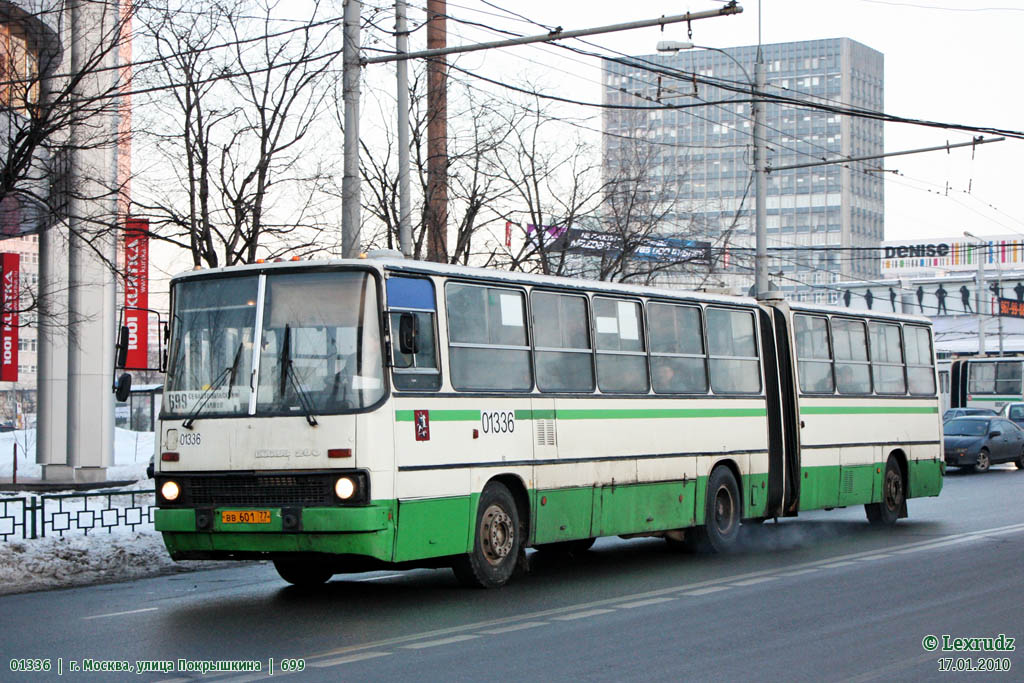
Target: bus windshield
{"points": [[320, 345]]}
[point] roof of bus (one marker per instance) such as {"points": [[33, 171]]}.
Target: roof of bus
{"points": [[431, 268]]}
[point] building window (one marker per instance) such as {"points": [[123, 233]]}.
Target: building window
{"points": [[19, 69]]}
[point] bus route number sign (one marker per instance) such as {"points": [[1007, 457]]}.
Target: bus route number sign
{"points": [[498, 422]]}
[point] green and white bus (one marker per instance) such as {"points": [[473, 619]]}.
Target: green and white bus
{"points": [[986, 382], [354, 414]]}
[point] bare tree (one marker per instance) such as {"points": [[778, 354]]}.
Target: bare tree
{"points": [[478, 131], [236, 104], [57, 102]]}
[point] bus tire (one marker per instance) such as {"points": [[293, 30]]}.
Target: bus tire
{"points": [[303, 573], [496, 541], [886, 512], [722, 514]]}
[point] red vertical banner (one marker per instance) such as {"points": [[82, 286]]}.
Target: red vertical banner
{"points": [[10, 266], [136, 291], [508, 233]]}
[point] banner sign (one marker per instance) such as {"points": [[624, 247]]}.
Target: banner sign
{"points": [[136, 292], [10, 265], [650, 248], [910, 257], [1011, 308]]}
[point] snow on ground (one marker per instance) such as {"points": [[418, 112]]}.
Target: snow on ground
{"points": [[47, 563], [78, 559], [132, 451]]}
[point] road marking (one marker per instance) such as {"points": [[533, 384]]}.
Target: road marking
{"points": [[514, 627], [695, 588], [121, 614], [800, 572], [379, 578], [836, 565], [351, 658], [705, 591], [752, 582], [583, 615], [645, 603], [442, 641], [872, 558]]}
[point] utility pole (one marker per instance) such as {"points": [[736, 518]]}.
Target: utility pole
{"points": [[350, 215], [760, 210], [437, 135], [404, 200], [981, 296]]}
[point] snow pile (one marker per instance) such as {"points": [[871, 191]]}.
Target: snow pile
{"points": [[132, 451], [101, 556], [46, 563]]}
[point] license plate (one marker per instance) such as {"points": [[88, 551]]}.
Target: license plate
{"points": [[245, 516]]}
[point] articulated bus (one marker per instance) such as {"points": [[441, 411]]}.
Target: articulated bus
{"points": [[986, 382], [341, 416]]}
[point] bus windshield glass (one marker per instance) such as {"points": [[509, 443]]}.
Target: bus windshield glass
{"points": [[213, 327], [321, 344]]}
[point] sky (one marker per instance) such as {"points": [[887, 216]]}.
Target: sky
{"points": [[954, 61]]}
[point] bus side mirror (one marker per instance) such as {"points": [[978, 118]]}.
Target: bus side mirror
{"points": [[408, 334], [122, 348], [124, 387]]}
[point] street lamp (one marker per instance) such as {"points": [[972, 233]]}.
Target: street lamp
{"points": [[760, 210]]}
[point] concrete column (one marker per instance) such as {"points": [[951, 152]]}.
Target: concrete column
{"points": [[93, 212]]}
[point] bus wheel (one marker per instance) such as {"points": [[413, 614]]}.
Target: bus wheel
{"points": [[722, 514], [496, 541], [887, 512], [303, 573], [983, 463]]}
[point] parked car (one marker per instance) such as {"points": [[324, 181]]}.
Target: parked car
{"points": [[1014, 412], [980, 441], [964, 412]]}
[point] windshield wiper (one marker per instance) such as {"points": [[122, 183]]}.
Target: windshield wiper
{"points": [[288, 373], [227, 373]]}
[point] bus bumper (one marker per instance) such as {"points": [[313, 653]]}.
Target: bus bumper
{"points": [[191, 534]]}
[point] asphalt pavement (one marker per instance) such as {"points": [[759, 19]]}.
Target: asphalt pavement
{"points": [[821, 597]]}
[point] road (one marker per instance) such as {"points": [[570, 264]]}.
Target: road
{"points": [[823, 597]]}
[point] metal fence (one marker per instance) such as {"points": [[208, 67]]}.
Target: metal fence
{"points": [[58, 514]]}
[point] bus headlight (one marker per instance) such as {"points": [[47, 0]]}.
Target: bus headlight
{"points": [[344, 488], [170, 491]]}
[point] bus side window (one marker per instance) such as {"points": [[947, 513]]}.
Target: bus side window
{"points": [[853, 373], [621, 352], [887, 358], [1008, 377], [414, 371], [920, 373], [678, 365], [562, 342], [488, 347], [734, 364], [814, 355]]}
